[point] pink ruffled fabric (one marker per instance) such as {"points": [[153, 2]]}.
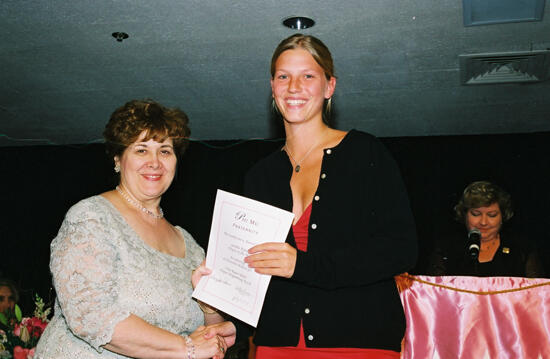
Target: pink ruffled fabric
{"points": [[448, 323]]}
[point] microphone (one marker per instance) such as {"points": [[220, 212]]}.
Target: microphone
{"points": [[474, 237]]}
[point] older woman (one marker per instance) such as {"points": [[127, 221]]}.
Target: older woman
{"points": [[482, 209], [121, 271]]}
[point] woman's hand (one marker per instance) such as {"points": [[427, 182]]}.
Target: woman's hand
{"points": [[211, 314], [198, 273], [136, 338], [212, 341], [273, 258], [226, 330]]}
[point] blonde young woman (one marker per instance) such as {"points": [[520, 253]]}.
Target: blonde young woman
{"points": [[332, 293]]}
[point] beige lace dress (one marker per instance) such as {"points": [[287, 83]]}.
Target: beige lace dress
{"points": [[102, 272]]}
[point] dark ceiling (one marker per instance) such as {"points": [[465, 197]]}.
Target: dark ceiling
{"points": [[397, 61]]}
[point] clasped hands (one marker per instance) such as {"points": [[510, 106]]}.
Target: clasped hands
{"points": [[213, 340], [271, 258]]}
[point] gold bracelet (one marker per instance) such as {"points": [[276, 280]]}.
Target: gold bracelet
{"points": [[206, 309]]}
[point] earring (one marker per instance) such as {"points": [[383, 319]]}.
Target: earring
{"points": [[117, 167], [329, 105], [274, 106]]}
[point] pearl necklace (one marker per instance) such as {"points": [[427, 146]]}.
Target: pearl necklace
{"points": [[139, 205]]}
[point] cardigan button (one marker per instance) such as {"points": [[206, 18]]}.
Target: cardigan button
{"points": [[329, 151], [316, 198], [313, 226], [306, 311], [310, 337], [323, 176]]}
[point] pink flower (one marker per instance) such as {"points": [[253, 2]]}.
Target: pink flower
{"points": [[17, 329], [35, 326], [20, 353], [38, 323]]}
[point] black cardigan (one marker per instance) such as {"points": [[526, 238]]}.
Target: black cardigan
{"points": [[361, 234]]}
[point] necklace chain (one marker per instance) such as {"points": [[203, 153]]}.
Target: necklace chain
{"points": [[139, 205], [491, 243], [298, 163]]}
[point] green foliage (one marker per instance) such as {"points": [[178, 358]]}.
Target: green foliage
{"points": [[18, 313]]}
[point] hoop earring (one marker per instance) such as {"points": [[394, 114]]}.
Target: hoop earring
{"points": [[328, 106], [274, 106]]}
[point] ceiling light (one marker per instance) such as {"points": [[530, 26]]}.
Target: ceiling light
{"points": [[298, 22], [119, 36]]}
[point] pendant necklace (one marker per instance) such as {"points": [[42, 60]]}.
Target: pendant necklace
{"points": [[139, 205], [490, 244], [298, 163]]}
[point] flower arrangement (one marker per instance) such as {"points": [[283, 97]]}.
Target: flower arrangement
{"points": [[19, 335]]}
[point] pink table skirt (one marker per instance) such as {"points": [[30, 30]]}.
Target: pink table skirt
{"points": [[475, 318]]}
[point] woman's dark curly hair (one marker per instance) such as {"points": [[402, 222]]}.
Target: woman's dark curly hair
{"points": [[483, 194], [158, 122]]}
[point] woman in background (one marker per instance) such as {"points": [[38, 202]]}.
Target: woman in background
{"points": [[9, 295], [483, 208], [332, 293], [122, 272]]}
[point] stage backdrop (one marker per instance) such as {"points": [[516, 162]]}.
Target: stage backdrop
{"points": [[40, 183]]}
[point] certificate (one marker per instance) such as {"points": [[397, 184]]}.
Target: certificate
{"points": [[239, 223]]}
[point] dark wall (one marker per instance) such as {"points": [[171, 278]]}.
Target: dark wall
{"points": [[39, 184]]}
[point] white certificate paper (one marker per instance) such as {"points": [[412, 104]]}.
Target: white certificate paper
{"points": [[239, 223]]}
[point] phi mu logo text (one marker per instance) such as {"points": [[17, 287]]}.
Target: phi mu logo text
{"points": [[240, 216], [245, 224]]}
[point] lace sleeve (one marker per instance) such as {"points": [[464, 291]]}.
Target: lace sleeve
{"points": [[84, 262]]}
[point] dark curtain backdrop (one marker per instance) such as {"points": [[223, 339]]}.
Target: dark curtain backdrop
{"points": [[40, 183]]}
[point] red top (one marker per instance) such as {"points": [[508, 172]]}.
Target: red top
{"points": [[300, 230]]}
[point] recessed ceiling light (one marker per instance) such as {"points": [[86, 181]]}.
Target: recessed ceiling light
{"points": [[298, 22], [119, 36]]}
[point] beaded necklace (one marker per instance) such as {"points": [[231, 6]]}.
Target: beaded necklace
{"points": [[139, 205]]}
